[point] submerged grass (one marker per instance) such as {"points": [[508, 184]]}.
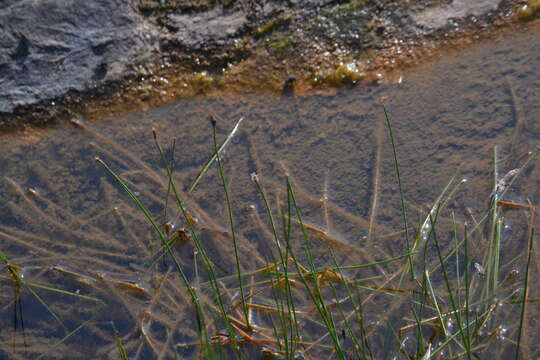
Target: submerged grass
{"points": [[121, 349], [309, 301], [401, 193], [231, 221], [525, 283]]}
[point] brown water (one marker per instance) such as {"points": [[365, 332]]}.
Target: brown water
{"points": [[69, 226]]}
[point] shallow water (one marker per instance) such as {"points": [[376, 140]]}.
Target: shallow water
{"points": [[69, 226]]}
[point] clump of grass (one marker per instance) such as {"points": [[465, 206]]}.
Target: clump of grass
{"points": [[19, 283], [433, 297], [231, 222], [452, 315], [287, 335]]}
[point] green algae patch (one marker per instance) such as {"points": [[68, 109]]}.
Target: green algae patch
{"points": [[529, 11], [202, 82], [534, 4], [280, 48], [272, 25], [345, 74]]}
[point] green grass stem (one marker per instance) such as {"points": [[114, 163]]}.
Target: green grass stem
{"points": [[213, 158], [231, 219], [453, 304], [209, 267], [289, 301], [142, 208], [401, 193], [65, 338], [525, 291], [315, 294], [119, 345]]}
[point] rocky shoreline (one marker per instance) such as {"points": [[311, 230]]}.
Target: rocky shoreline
{"points": [[60, 59]]}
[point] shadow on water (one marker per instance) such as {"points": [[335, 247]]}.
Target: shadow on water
{"points": [[68, 226]]}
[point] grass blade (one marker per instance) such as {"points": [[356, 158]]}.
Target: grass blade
{"points": [[525, 287], [65, 338], [121, 349], [315, 294], [401, 194], [195, 299], [213, 158], [231, 220], [206, 261]]}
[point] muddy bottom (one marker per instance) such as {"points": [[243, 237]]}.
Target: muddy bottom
{"points": [[68, 225]]}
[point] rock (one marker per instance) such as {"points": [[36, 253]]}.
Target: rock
{"points": [[210, 28], [56, 56], [438, 17], [49, 47]]}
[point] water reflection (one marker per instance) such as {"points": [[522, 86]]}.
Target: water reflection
{"points": [[68, 225]]}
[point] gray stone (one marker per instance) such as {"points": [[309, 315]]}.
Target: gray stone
{"points": [[215, 25], [49, 47], [439, 16]]}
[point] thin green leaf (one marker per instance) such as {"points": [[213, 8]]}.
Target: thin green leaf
{"points": [[213, 158]]}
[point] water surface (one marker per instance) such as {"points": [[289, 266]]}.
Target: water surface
{"points": [[69, 226]]}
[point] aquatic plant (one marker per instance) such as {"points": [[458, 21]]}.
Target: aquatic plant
{"points": [[273, 24], [297, 289], [279, 47], [529, 11], [344, 74]]}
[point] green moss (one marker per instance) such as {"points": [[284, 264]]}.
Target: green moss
{"points": [[529, 11], [202, 82], [272, 25], [344, 74], [525, 13], [280, 47], [534, 5]]}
